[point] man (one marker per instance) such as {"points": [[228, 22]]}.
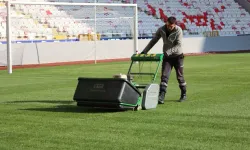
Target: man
{"points": [[173, 56]]}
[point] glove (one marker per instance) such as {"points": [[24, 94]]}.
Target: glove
{"points": [[143, 52]]}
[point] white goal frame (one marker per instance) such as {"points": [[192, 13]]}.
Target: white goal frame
{"points": [[9, 31]]}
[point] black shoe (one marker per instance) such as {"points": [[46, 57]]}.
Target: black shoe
{"points": [[161, 98], [183, 98]]}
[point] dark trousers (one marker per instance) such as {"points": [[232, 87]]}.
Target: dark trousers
{"points": [[167, 65]]}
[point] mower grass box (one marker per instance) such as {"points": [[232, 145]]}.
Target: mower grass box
{"points": [[115, 93]]}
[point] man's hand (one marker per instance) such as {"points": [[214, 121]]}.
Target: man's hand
{"points": [[167, 53]]}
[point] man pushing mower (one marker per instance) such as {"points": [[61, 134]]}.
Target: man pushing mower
{"points": [[173, 56]]}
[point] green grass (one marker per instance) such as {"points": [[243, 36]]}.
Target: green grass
{"points": [[37, 110]]}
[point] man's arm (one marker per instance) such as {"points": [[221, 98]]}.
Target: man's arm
{"points": [[177, 43], [152, 42]]}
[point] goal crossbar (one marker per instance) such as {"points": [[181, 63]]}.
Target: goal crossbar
{"points": [[9, 3]]}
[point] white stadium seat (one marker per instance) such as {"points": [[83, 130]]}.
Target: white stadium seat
{"points": [[48, 20]]}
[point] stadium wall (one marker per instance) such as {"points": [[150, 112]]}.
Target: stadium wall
{"points": [[42, 53], [245, 4]]}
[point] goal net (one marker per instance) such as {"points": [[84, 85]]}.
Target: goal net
{"points": [[33, 22]]}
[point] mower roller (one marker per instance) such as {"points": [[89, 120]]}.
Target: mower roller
{"points": [[122, 92]]}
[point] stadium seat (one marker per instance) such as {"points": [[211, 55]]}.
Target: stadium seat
{"points": [[194, 16]]}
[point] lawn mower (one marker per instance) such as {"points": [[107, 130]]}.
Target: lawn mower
{"points": [[136, 90]]}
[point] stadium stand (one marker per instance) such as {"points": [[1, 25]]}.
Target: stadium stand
{"points": [[196, 18]]}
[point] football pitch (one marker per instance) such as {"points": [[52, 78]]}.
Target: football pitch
{"points": [[37, 110]]}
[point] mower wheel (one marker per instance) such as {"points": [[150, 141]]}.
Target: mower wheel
{"points": [[137, 108]]}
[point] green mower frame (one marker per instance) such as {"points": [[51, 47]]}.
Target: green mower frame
{"points": [[139, 58]]}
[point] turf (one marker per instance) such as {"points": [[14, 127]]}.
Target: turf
{"points": [[37, 110]]}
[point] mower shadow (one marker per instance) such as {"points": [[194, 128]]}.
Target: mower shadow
{"points": [[73, 109], [42, 101], [65, 106], [68, 106]]}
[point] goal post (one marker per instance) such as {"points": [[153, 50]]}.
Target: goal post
{"points": [[133, 23]]}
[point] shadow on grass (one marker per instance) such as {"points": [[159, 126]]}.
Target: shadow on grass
{"points": [[66, 106], [42, 101], [171, 101], [73, 109]]}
